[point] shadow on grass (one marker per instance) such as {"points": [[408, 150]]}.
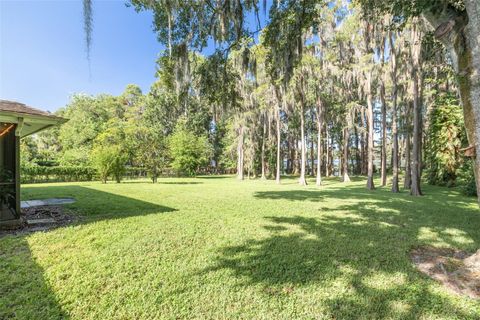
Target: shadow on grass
{"points": [[96, 204], [24, 292], [362, 247], [162, 182], [215, 177]]}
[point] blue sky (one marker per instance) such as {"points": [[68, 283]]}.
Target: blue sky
{"points": [[42, 51]]}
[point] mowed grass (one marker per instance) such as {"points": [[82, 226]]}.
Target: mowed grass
{"points": [[218, 248]]}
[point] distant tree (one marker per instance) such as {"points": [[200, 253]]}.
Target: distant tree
{"points": [[87, 118], [28, 150], [456, 23], [109, 160], [110, 152], [187, 150]]}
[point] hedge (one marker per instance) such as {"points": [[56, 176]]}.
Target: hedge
{"points": [[34, 173]]}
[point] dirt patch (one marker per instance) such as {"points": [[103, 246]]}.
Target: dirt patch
{"points": [[457, 270], [42, 218]]}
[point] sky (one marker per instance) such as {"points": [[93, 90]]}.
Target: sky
{"points": [[42, 51], [43, 58]]}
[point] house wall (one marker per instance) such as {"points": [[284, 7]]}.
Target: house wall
{"points": [[9, 176]]}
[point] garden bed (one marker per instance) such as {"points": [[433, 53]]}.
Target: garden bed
{"points": [[42, 218]]}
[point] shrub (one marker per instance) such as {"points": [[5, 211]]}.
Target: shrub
{"points": [[33, 173], [446, 134], [109, 160], [188, 151], [467, 179]]}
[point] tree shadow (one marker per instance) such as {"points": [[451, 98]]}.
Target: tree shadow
{"points": [[362, 246], [162, 182], [292, 195], [212, 177], [96, 204], [24, 292], [179, 182]]}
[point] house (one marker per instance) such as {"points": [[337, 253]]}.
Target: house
{"points": [[16, 121]]}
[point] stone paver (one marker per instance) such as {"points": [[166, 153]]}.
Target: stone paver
{"points": [[46, 202], [40, 222]]}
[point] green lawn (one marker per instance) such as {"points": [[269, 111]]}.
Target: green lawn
{"points": [[215, 247]]}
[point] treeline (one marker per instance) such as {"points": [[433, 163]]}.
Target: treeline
{"points": [[329, 93], [132, 135]]}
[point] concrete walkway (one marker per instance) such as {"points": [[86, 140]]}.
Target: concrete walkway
{"points": [[46, 202]]}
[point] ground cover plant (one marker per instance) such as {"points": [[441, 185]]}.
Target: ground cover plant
{"points": [[214, 247]]}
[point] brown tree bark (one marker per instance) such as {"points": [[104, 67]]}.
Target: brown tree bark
{"points": [[279, 137], [459, 32], [358, 159], [346, 137], [416, 45], [383, 169], [393, 57], [370, 183], [240, 153], [264, 137], [303, 157], [408, 171], [327, 162], [318, 181], [312, 148], [363, 147]]}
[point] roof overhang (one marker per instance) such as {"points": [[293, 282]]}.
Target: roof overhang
{"points": [[28, 124]]}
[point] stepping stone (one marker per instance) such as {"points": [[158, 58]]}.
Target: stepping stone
{"points": [[39, 222], [58, 201], [46, 202], [31, 203]]}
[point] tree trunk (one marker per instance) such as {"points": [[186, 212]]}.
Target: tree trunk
{"points": [[327, 162], [384, 135], [415, 189], [277, 174], [473, 32], [408, 169], [363, 146], [393, 55], [279, 134], [370, 183], [264, 136], [312, 151], [383, 156], [358, 164], [319, 143], [346, 136], [460, 34], [240, 154], [302, 180], [297, 155]]}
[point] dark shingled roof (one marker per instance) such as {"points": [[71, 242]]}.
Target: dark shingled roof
{"points": [[17, 107]]}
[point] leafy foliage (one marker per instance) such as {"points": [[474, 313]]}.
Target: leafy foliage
{"points": [[35, 173], [187, 150], [446, 136]]}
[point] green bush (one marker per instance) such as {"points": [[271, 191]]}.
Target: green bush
{"points": [[446, 135], [467, 179], [109, 160], [33, 173], [189, 152]]}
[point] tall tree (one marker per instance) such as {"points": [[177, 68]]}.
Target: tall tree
{"points": [[457, 26], [393, 75], [415, 53]]}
